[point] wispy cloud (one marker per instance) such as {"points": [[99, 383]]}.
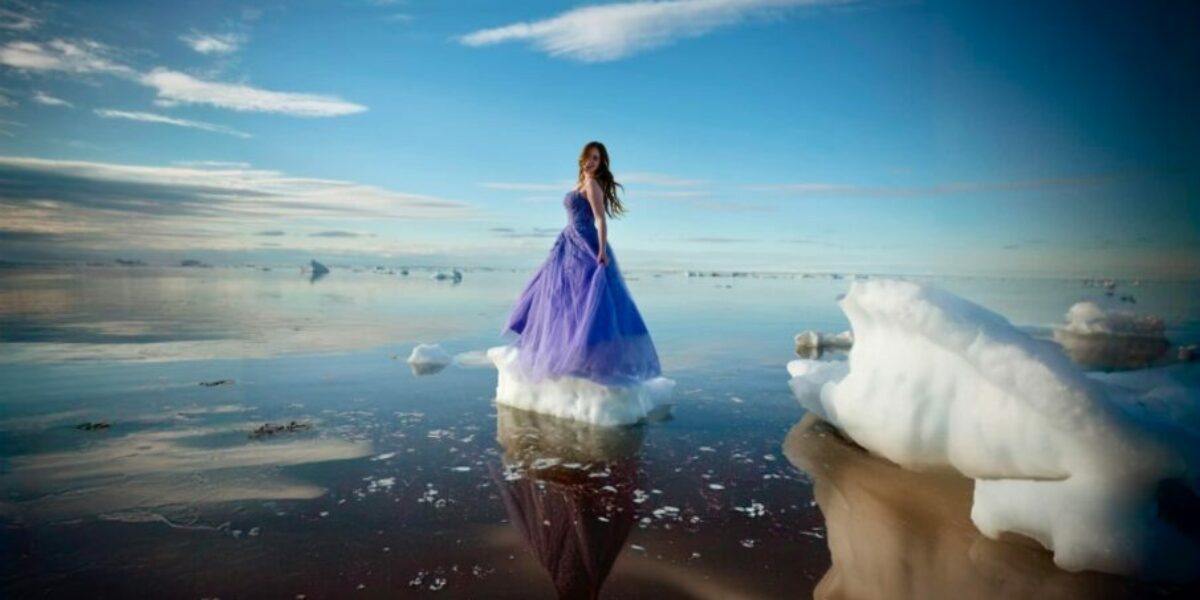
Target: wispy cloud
{"points": [[213, 43], [79, 57], [614, 31], [335, 234], [657, 179], [272, 233], [936, 189], [128, 206], [146, 117], [20, 17], [211, 164], [172, 87], [535, 233], [48, 100]]}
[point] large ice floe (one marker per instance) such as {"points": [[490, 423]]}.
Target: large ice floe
{"points": [[578, 398], [1101, 470]]}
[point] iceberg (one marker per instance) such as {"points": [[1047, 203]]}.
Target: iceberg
{"points": [[427, 359], [1100, 471], [578, 398]]}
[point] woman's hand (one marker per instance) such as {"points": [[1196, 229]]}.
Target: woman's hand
{"points": [[602, 258]]}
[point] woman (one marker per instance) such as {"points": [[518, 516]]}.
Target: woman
{"points": [[575, 316]]}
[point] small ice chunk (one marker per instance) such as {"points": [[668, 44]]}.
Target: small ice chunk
{"points": [[1111, 338], [427, 359]]}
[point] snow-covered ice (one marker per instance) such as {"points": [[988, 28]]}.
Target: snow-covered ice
{"points": [[427, 359], [1079, 463], [578, 398]]}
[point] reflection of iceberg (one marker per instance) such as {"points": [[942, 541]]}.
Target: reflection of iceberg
{"points": [[936, 381], [568, 489], [1101, 338], [427, 359], [894, 533], [578, 398]]}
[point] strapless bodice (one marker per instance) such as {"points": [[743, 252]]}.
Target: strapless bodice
{"points": [[579, 212]]}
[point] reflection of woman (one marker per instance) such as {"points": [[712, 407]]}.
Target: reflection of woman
{"points": [[568, 489], [894, 533]]}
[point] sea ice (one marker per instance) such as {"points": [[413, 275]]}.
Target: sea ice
{"points": [[427, 359], [578, 398], [810, 344], [1111, 338], [1086, 467]]}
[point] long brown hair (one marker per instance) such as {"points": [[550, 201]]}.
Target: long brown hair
{"points": [[604, 177]]}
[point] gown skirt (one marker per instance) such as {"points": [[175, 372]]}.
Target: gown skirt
{"points": [[575, 316]]}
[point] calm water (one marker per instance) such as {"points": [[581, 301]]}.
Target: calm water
{"points": [[419, 485]]}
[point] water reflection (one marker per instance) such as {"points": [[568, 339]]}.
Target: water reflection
{"points": [[568, 489], [894, 533], [176, 467], [1112, 352]]}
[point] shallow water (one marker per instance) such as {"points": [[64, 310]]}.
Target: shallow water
{"points": [[410, 484]]}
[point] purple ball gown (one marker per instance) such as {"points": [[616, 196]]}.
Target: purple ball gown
{"points": [[576, 317]]}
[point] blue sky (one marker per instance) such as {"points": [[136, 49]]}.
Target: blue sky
{"points": [[916, 137]]}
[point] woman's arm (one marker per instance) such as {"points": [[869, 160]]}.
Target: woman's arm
{"points": [[595, 198]]}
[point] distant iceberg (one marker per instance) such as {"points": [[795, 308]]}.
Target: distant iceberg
{"points": [[1103, 471], [578, 398], [1112, 338], [427, 359], [811, 344]]}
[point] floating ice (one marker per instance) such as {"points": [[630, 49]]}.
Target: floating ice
{"points": [[454, 275], [472, 358], [427, 359], [580, 399], [1111, 338], [1086, 467], [810, 344]]}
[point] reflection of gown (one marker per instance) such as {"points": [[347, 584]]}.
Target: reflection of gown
{"points": [[574, 523], [577, 317]]}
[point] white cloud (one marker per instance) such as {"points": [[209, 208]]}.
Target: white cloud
{"points": [[146, 117], [48, 100], [213, 43], [226, 191], [934, 189], [80, 57], [174, 87], [615, 31], [212, 164]]}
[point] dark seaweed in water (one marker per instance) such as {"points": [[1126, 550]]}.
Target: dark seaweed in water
{"points": [[267, 429]]}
